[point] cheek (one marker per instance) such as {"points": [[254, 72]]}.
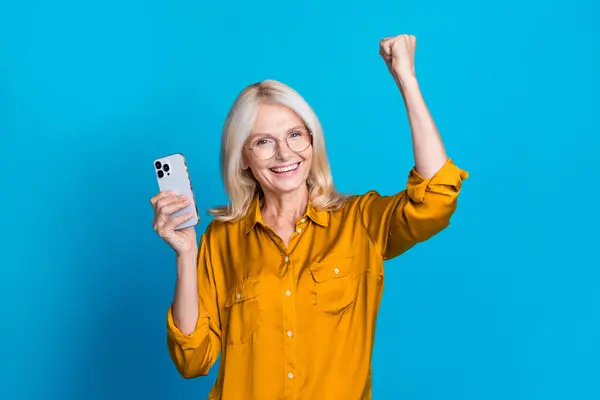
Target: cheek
{"points": [[307, 164], [261, 172], [308, 161], [257, 166]]}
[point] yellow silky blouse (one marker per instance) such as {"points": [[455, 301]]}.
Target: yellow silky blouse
{"points": [[299, 322]]}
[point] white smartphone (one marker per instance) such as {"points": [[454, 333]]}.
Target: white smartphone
{"points": [[172, 174]]}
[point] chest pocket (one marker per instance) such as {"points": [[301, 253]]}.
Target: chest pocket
{"points": [[243, 308], [333, 290]]}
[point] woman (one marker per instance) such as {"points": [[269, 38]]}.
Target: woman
{"points": [[286, 282]]}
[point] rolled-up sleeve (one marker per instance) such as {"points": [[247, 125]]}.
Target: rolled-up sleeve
{"points": [[396, 223], [195, 353]]}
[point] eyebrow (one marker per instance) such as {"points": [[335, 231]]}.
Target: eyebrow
{"points": [[254, 134]]}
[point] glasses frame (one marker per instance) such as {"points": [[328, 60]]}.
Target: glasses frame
{"points": [[278, 146]]}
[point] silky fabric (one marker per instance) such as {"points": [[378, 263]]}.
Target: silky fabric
{"points": [[298, 322]]}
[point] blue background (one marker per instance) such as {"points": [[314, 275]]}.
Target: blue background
{"points": [[504, 304]]}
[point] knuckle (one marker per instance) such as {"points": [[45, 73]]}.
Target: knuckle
{"points": [[167, 210], [162, 209]]}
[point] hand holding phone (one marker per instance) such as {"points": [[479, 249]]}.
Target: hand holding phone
{"points": [[175, 210]]}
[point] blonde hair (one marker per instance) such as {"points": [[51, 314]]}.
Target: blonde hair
{"points": [[240, 184]]}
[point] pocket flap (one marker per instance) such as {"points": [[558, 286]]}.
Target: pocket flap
{"points": [[331, 269], [242, 291]]}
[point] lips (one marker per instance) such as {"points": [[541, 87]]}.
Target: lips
{"points": [[286, 168]]}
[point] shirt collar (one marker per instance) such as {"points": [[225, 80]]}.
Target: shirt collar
{"points": [[254, 216]]}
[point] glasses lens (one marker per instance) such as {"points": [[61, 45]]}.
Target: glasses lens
{"points": [[264, 148], [299, 140]]}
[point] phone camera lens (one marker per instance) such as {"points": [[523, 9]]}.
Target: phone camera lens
{"points": [[161, 174], [166, 167], [157, 164]]}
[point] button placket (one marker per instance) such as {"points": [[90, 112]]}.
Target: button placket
{"points": [[288, 322]]}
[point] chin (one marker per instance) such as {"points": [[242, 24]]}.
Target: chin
{"points": [[289, 188]]}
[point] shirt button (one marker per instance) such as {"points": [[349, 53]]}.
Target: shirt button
{"points": [[239, 296], [299, 230], [291, 376], [289, 333], [303, 220], [336, 270], [288, 293], [286, 259]]}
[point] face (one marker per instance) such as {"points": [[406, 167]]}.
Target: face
{"points": [[288, 169]]}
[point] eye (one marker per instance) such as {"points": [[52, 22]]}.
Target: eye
{"points": [[295, 134], [262, 142]]}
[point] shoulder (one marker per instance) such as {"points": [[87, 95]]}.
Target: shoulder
{"points": [[218, 229], [219, 232], [355, 202], [353, 205]]}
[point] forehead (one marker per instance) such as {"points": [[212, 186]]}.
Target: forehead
{"points": [[275, 119]]}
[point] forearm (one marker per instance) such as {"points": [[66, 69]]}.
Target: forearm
{"points": [[194, 338], [185, 300], [428, 148]]}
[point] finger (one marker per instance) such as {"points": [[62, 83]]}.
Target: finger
{"points": [[174, 206], [161, 220], [160, 195], [404, 41], [386, 41], [167, 229], [384, 50], [165, 208], [175, 221], [166, 201], [384, 54]]}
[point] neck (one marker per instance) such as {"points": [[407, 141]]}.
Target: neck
{"points": [[288, 206]]}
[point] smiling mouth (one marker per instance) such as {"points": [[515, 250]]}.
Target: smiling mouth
{"points": [[286, 170]]}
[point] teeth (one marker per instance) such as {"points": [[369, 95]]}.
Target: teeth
{"points": [[285, 169]]}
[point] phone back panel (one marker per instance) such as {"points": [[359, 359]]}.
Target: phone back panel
{"points": [[172, 174]]}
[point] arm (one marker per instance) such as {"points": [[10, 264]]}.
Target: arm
{"points": [[193, 328], [396, 223], [428, 148], [185, 300]]}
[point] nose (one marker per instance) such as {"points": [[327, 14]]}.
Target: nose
{"points": [[283, 151]]}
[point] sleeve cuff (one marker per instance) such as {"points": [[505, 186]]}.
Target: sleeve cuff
{"points": [[449, 175], [186, 341]]}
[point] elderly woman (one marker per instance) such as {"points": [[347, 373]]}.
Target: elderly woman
{"points": [[286, 281]]}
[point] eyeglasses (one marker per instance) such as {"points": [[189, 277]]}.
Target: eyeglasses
{"points": [[265, 147]]}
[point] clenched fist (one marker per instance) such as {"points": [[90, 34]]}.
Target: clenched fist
{"points": [[398, 52]]}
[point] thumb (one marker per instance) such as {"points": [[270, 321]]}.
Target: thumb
{"points": [[385, 49]]}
